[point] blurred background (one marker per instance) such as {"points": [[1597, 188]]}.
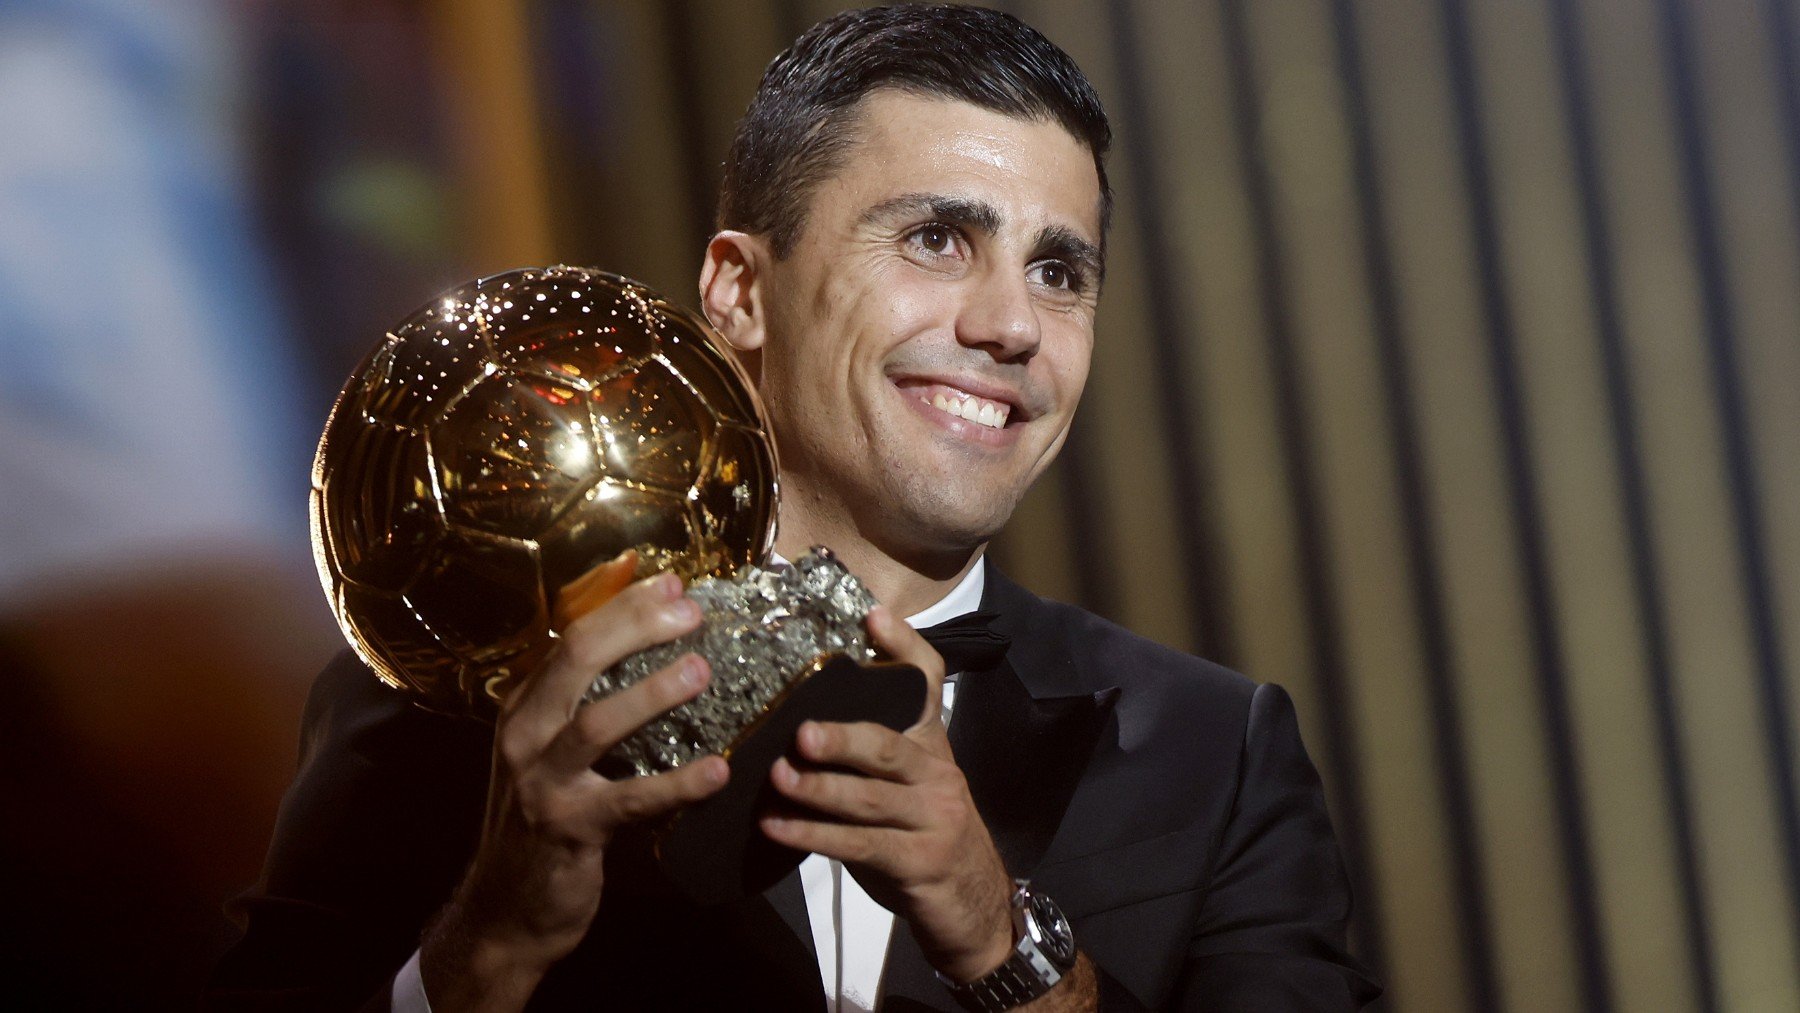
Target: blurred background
{"points": [[1448, 374]]}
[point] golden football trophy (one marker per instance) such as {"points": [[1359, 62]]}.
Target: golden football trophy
{"points": [[523, 445]]}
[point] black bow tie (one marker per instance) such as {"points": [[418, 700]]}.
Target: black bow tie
{"points": [[969, 643]]}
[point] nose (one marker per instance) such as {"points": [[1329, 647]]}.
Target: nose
{"points": [[999, 317]]}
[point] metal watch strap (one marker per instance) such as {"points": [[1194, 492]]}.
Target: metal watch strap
{"points": [[1008, 986], [1026, 973]]}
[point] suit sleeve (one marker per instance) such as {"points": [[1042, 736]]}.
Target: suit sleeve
{"points": [[372, 837], [1271, 932]]}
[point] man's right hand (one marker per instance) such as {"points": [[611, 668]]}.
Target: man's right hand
{"points": [[534, 886]]}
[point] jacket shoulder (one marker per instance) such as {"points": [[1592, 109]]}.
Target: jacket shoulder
{"points": [[1083, 652]]}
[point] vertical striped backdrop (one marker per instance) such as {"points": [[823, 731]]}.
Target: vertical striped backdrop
{"points": [[1448, 374]]}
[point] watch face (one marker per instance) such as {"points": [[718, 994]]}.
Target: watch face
{"points": [[1051, 931]]}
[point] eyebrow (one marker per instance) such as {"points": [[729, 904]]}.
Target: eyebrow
{"points": [[964, 211], [1062, 243], [1056, 241]]}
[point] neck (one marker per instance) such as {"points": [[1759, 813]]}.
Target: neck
{"points": [[906, 579]]}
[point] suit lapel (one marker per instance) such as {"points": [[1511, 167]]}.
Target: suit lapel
{"points": [[1024, 731], [787, 967], [1022, 740], [907, 981], [788, 898], [1022, 756]]}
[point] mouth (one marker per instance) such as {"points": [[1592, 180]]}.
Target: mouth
{"points": [[985, 407]]}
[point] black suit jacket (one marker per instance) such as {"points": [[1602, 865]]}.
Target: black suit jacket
{"points": [[1164, 802]]}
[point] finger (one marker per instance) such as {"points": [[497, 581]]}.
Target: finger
{"points": [[642, 798], [845, 842], [592, 589], [864, 800], [863, 746], [648, 612], [603, 724], [905, 644]]}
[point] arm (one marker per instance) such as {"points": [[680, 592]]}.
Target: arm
{"points": [[376, 827], [533, 889], [380, 824]]}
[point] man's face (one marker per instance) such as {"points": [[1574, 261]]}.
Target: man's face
{"points": [[929, 335]]}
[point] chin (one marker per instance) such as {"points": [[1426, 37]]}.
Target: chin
{"points": [[938, 521]]}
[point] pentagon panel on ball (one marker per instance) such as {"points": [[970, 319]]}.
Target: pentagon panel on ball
{"points": [[513, 453], [654, 431], [378, 537], [505, 439]]}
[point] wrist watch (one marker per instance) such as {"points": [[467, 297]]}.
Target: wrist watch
{"points": [[1045, 951]]}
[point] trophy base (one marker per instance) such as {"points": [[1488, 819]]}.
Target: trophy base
{"points": [[713, 852]]}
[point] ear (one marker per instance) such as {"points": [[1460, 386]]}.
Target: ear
{"points": [[731, 290]]}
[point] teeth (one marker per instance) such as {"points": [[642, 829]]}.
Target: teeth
{"points": [[991, 414]]}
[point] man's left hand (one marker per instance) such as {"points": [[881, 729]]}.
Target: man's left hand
{"points": [[901, 819]]}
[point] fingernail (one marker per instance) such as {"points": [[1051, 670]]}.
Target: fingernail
{"points": [[682, 610], [717, 773], [809, 735], [774, 824], [668, 584], [694, 671], [783, 773]]}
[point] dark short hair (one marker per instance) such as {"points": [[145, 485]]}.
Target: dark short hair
{"points": [[799, 124]]}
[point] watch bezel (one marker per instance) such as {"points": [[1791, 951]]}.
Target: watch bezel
{"points": [[1049, 928]]}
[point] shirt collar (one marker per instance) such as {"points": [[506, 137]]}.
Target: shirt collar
{"points": [[964, 598]]}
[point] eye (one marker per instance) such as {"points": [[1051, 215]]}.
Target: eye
{"points": [[935, 238], [1053, 274]]}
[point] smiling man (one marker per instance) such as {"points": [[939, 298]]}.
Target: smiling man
{"points": [[911, 246], [922, 341]]}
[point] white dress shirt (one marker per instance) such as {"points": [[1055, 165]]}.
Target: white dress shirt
{"points": [[850, 931]]}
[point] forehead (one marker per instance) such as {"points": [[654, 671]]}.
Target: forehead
{"points": [[1033, 170]]}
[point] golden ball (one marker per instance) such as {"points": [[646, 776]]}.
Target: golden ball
{"points": [[505, 439]]}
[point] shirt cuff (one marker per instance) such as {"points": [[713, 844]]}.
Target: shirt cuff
{"points": [[409, 989]]}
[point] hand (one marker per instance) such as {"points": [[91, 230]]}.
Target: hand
{"points": [[900, 817], [535, 883]]}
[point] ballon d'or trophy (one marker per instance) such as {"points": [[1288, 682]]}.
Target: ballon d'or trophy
{"points": [[515, 453]]}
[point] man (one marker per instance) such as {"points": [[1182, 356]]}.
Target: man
{"points": [[909, 261]]}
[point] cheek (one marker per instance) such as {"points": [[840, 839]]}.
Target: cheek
{"points": [[911, 308], [898, 301], [1070, 365], [831, 327]]}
